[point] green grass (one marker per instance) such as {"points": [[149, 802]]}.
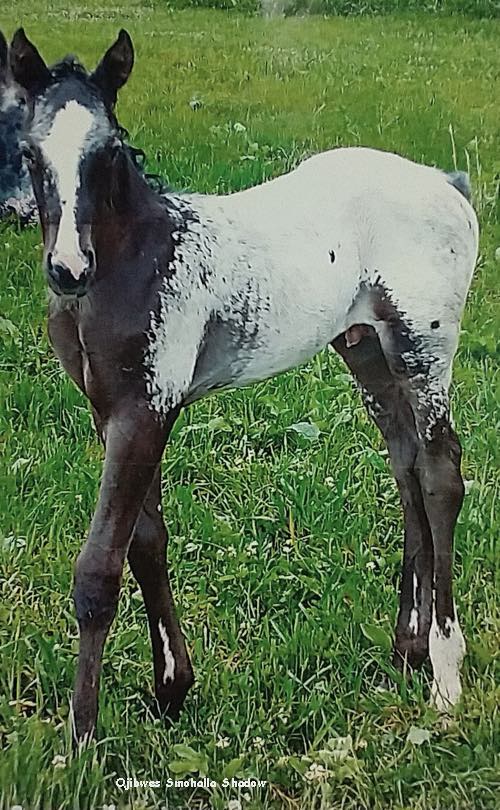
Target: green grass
{"points": [[474, 8], [284, 553]]}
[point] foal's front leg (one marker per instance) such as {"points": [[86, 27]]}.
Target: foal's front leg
{"points": [[135, 439], [147, 558]]}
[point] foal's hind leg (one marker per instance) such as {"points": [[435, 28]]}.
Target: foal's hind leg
{"points": [[387, 403], [420, 354], [147, 558], [438, 467]]}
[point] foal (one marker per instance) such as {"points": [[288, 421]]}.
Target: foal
{"points": [[16, 194], [157, 301]]}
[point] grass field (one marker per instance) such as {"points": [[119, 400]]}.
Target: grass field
{"points": [[285, 550]]}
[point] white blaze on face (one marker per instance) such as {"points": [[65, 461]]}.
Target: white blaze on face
{"points": [[63, 148], [169, 671]]}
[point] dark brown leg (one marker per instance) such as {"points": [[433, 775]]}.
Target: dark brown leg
{"points": [[135, 440], [438, 467], [388, 404], [147, 558], [63, 335]]}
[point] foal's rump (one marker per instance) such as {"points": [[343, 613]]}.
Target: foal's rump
{"points": [[422, 262]]}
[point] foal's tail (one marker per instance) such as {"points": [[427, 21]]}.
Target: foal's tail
{"points": [[461, 181]]}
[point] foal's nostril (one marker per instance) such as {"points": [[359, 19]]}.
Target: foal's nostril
{"points": [[63, 280], [90, 256]]}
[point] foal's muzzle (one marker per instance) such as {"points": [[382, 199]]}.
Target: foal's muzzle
{"points": [[63, 282]]}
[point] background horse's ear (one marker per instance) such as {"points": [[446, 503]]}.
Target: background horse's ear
{"points": [[115, 66], [3, 52], [28, 68]]}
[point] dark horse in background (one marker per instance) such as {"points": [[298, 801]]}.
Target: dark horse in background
{"points": [[157, 300], [16, 193]]}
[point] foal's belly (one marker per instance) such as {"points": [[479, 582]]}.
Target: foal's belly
{"points": [[288, 293], [281, 318]]}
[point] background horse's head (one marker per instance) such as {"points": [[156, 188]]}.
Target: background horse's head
{"points": [[16, 194], [74, 152]]}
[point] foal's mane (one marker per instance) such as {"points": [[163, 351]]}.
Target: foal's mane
{"points": [[71, 67]]}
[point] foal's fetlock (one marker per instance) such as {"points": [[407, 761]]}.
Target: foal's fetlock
{"points": [[410, 652], [170, 696], [95, 592]]}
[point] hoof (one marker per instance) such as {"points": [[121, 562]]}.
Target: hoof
{"points": [[170, 697], [410, 652], [444, 697], [83, 729]]}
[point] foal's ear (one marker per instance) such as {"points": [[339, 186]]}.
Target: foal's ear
{"points": [[28, 68], [115, 66], [4, 52]]}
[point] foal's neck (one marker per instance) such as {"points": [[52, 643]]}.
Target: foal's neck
{"points": [[121, 228]]}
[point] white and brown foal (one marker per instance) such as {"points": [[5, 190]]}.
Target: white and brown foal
{"points": [[159, 300]]}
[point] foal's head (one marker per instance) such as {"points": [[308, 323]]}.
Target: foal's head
{"points": [[73, 150]]}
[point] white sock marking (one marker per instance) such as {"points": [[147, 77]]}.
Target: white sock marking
{"points": [[169, 671], [446, 654], [413, 622]]}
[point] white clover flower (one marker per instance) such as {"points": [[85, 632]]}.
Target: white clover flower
{"points": [[316, 772], [223, 742]]}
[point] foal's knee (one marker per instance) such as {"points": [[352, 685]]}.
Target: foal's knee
{"points": [[147, 552], [95, 591]]}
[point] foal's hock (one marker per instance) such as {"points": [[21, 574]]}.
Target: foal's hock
{"points": [[157, 300]]}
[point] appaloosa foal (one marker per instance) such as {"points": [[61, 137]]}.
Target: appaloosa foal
{"points": [[158, 300]]}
